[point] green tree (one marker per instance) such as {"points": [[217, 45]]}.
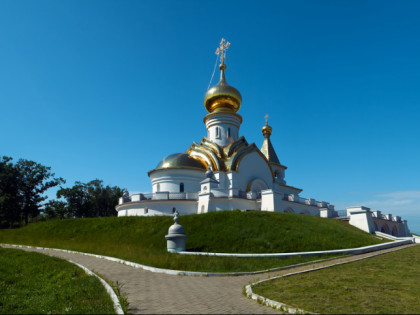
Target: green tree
{"points": [[22, 188], [35, 180], [92, 199], [9, 192], [56, 209]]}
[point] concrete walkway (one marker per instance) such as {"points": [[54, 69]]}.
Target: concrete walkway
{"points": [[150, 292]]}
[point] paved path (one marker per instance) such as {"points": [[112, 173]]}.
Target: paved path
{"points": [[150, 292]]}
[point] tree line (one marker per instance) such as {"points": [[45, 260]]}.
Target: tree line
{"points": [[22, 195]]}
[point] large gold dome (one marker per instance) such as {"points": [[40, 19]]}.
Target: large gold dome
{"points": [[181, 160], [222, 97]]}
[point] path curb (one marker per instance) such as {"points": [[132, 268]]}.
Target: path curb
{"points": [[355, 251], [351, 251], [169, 271], [115, 300], [290, 309], [117, 306]]}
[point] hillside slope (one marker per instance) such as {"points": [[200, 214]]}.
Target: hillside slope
{"points": [[142, 239]]}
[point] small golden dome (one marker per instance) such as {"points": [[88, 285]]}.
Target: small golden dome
{"points": [[181, 160], [266, 130], [222, 97]]}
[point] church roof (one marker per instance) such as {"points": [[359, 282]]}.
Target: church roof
{"points": [[268, 150], [180, 161]]}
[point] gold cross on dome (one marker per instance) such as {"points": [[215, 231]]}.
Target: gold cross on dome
{"points": [[266, 119], [224, 45]]}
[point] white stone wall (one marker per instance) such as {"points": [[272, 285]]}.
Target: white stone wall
{"points": [[221, 204], [170, 179], [223, 128], [252, 167], [155, 207]]}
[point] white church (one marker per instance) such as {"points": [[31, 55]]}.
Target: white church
{"points": [[225, 172]]}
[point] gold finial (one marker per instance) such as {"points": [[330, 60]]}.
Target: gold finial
{"points": [[266, 130], [224, 45], [222, 97]]}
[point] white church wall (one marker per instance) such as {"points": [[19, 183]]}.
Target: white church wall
{"points": [[280, 171], [298, 208], [223, 179], [361, 217], [286, 189], [270, 200], [170, 179], [252, 167], [223, 128], [222, 204], [203, 202], [153, 208]]}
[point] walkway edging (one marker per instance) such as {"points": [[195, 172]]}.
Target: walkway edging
{"points": [[284, 307], [273, 304], [352, 251], [117, 305], [115, 300], [169, 271], [220, 274]]}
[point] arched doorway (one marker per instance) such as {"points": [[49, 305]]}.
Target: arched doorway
{"points": [[385, 229]]}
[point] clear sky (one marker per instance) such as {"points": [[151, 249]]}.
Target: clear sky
{"points": [[106, 89]]}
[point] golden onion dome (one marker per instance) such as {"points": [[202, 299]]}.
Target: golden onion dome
{"points": [[266, 130], [181, 160], [222, 97]]}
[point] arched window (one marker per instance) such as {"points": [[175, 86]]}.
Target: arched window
{"points": [[217, 132], [173, 210], [181, 187], [146, 210], [158, 187]]}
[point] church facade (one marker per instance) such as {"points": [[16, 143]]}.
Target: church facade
{"points": [[223, 171]]}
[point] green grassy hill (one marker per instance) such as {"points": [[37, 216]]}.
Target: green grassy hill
{"points": [[142, 239]]}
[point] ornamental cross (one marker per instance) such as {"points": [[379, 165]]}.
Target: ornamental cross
{"points": [[266, 119], [221, 50]]}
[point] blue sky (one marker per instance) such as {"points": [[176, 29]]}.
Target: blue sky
{"points": [[106, 89]]}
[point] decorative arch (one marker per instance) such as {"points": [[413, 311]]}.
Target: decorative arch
{"points": [[289, 210], [234, 161], [376, 226], [394, 231], [385, 229], [256, 185]]}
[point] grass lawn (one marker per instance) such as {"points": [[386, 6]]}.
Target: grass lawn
{"points": [[385, 284], [142, 239], [33, 283]]}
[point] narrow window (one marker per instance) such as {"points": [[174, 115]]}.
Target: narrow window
{"points": [[146, 210], [228, 132], [158, 187], [181, 187], [173, 210], [217, 132]]}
